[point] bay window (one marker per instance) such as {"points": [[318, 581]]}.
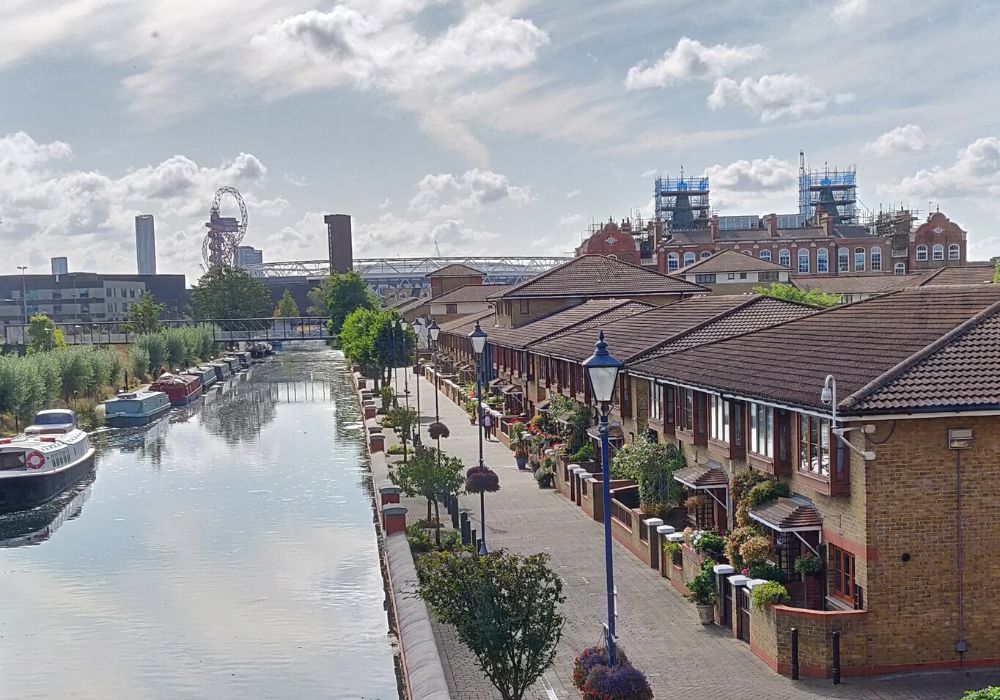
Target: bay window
{"points": [[719, 419], [761, 430], [842, 574], [814, 446]]}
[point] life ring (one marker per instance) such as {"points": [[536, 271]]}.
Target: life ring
{"points": [[35, 460]]}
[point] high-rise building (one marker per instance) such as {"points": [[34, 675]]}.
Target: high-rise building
{"points": [[145, 244], [60, 266], [247, 255], [338, 228]]}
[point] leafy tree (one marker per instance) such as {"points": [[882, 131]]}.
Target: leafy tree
{"points": [[286, 307], [402, 419], [230, 293], [814, 297], [505, 609], [43, 334], [430, 473], [339, 295], [652, 466], [368, 338], [144, 316], [996, 279]]}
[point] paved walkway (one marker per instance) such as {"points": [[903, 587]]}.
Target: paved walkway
{"points": [[657, 627]]}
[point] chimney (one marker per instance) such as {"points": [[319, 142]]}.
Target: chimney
{"points": [[826, 221], [771, 223], [626, 226], [338, 228], [713, 226]]}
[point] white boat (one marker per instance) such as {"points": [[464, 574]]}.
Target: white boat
{"points": [[51, 455]]}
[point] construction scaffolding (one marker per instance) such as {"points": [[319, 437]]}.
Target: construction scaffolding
{"points": [[682, 203], [833, 192]]}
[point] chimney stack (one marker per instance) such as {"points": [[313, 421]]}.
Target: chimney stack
{"points": [[826, 221], [338, 230], [771, 223], [713, 226]]}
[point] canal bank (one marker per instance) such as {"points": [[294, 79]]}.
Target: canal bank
{"points": [[226, 551]]}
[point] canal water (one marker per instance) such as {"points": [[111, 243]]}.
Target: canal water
{"points": [[228, 552]]}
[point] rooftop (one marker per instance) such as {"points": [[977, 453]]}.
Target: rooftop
{"points": [[704, 235], [468, 293], [463, 325], [582, 317], [598, 276], [455, 270], [859, 284], [730, 260], [861, 344], [964, 274]]}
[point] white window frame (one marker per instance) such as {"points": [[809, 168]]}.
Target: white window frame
{"points": [[921, 253], [785, 257], [761, 430], [765, 255], [822, 260], [673, 262], [705, 254], [843, 260], [803, 261], [899, 268], [937, 252], [862, 259], [876, 258], [954, 251], [656, 402], [720, 419], [689, 259]]}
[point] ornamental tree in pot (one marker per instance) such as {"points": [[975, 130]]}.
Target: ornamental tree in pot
{"points": [[520, 441], [702, 592]]}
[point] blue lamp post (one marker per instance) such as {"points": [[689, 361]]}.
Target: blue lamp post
{"points": [[404, 327], [478, 338], [602, 369]]}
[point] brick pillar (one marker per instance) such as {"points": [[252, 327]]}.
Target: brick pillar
{"points": [[736, 582], [394, 519], [663, 531], [388, 493], [370, 411], [654, 541], [722, 571], [376, 442]]}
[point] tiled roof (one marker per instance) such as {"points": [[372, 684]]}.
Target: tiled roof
{"points": [[598, 276], [454, 270], [702, 476], [638, 332], [963, 373], [468, 293], [857, 343], [400, 302], [787, 514], [859, 284], [730, 260], [408, 305], [965, 274], [586, 315], [463, 325], [758, 313]]}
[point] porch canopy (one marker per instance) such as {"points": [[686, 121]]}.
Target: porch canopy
{"points": [[702, 477], [615, 432], [512, 389], [543, 406], [788, 515], [496, 382]]}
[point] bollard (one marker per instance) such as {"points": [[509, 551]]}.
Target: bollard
{"points": [[835, 640], [795, 653], [454, 510], [472, 538], [464, 525]]}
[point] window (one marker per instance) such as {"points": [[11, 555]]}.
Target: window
{"points": [[785, 257], [669, 413], [843, 568], [761, 430], [843, 260], [899, 268], [937, 252], [719, 429], [921, 253], [705, 279], [656, 402], [765, 255], [814, 445], [686, 410], [688, 259], [859, 259], [876, 259], [743, 275], [822, 260], [705, 254], [771, 276], [731, 276], [672, 260], [451, 308], [803, 260], [524, 306], [954, 251]]}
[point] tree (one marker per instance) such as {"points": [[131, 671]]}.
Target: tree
{"points": [[651, 465], [286, 307], [402, 419], [505, 609], [144, 316], [430, 473], [43, 334], [230, 293], [813, 297], [368, 338], [339, 295]]}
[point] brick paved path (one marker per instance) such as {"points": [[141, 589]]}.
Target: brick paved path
{"points": [[657, 627]]}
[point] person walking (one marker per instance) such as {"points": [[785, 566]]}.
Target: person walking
{"points": [[487, 425]]}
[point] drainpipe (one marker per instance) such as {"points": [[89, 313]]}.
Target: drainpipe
{"points": [[961, 646]]}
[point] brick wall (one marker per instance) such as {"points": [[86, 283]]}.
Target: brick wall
{"points": [[771, 639]]}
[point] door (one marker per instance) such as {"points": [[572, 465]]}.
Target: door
{"points": [[727, 602], [743, 611]]}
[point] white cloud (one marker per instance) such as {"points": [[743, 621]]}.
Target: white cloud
{"points": [[760, 174], [574, 193], [773, 96], [392, 235], [571, 219], [847, 10], [446, 194], [690, 60], [975, 173], [902, 139]]}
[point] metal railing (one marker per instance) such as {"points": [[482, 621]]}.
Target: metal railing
{"points": [[621, 513]]}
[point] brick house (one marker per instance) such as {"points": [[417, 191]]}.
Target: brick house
{"points": [[898, 496], [463, 301], [453, 276], [731, 272]]}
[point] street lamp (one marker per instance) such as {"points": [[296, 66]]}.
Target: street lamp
{"points": [[478, 338], [433, 331], [404, 327], [418, 328], [602, 369], [24, 293]]}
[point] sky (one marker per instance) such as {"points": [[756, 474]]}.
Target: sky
{"points": [[486, 128]]}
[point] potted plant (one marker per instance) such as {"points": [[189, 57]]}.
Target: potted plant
{"points": [[481, 479], [702, 593], [471, 407], [597, 680], [584, 455], [438, 430], [543, 475], [520, 441]]}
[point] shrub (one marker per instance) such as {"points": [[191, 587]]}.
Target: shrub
{"points": [[620, 682], [590, 658], [768, 571], [702, 587], [707, 543], [755, 549], [394, 450], [652, 466], [991, 693], [734, 541], [809, 564], [584, 454], [471, 407], [543, 475], [451, 540], [138, 361], [764, 492], [419, 539], [741, 483], [770, 593], [386, 395]]}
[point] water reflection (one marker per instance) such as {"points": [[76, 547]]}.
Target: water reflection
{"points": [[35, 526]]}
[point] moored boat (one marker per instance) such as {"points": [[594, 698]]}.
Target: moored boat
{"points": [[235, 367], [244, 358], [222, 370], [205, 373], [258, 351], [128, 410], [52, 455], [181, 389]]}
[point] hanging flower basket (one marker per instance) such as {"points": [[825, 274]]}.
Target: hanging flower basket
{"points": [[483, 480], [438, 430]]}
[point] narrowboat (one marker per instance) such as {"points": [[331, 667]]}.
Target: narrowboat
{"points": [[234, 364], [136, 408], [181, 389], [205, 373], [244, 357], [51, 455], [259, 351], [222, 371]]}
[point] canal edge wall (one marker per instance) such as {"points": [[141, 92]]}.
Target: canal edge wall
{"points": [[420, 660]]}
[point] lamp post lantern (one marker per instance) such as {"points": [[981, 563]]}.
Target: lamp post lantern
{"points": [[433, 331], [602, 369], [478, 338]]}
